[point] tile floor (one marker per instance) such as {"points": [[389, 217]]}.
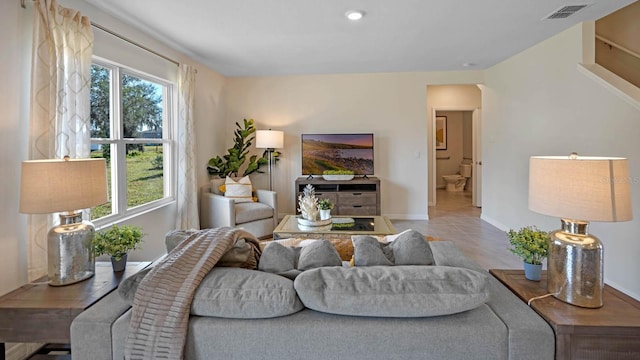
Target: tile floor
{"points": [[454, 218]]}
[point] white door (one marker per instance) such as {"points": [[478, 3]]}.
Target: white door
{"points": [[476, 171]]}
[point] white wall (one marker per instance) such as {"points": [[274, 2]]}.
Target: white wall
{"points": [[538, 103], [13, 145], [15, 54], [391, 105]]}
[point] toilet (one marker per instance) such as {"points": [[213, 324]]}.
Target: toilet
{"points": [[458, 181]]}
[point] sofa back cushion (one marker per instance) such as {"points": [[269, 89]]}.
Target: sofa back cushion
{"points": [[245, 294], [392, 291]]}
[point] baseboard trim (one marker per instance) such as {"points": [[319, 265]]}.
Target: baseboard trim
{"points": [[407, 216], [494, 222]]}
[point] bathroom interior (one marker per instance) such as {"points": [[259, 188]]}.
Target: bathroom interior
{"points": [[453, 164]]}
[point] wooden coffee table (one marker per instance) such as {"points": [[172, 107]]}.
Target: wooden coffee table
{"points": [[342, 227]]}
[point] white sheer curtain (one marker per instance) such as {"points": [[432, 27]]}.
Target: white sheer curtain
{"points": [[60, 121], [187, 195]]}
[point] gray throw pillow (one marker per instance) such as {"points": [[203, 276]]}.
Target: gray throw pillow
{"points": [[290, 261], [368, 251], [317, 254], [279, 259], [245, 294], [409, 248], [398, 291]]}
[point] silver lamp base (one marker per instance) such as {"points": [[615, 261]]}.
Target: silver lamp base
{"points": [[575, 265], [70, 255]]}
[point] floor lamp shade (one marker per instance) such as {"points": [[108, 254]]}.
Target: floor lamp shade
{"points": [[578, 190], [270, 140], [65, 186]]}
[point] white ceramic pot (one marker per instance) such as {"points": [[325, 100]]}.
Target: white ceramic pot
{"points": [[325, 214]]}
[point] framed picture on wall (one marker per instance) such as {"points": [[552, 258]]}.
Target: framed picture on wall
{"points": [[441, 133]]}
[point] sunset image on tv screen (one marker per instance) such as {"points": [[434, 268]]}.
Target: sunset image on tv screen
{"points": [[322, 152]]}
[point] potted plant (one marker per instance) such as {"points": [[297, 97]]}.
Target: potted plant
{"points": [[231, 163], [532, 245], [116, 242], [325, 205]]}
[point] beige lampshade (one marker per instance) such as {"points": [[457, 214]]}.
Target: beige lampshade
{"points": [[269, 139], [583, 188], [49, 186]]}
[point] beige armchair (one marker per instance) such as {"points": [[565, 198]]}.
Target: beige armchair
{"points": [[259, 218]]}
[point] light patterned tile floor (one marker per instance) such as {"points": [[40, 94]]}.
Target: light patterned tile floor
{"points": [[455, 219]]}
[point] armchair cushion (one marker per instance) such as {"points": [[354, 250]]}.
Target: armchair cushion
{"points": [[252, 211]]}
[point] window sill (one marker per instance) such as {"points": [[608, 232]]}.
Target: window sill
{"points": [[133, 213]]}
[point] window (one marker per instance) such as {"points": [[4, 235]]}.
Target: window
{"points": [[131, 129]]}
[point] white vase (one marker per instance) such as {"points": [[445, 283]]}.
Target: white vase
{"points": [[325, 214]]}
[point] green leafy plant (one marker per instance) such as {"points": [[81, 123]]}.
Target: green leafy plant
{"points": [[529, 243], [230, 164], [117, 241], [325, 204], [337, 172]]}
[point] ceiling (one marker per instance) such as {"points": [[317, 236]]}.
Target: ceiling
{"points": [[285, 37]]}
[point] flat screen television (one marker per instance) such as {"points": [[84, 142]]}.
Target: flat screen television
{"points": [[322, 152]]}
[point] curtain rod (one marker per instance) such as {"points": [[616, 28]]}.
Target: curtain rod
{"points": [[121, 37]]}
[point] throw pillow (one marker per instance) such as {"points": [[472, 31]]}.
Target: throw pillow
{"points": [[290, 261], [399, 291], [244, 294], [239, 191], [407, 248]]}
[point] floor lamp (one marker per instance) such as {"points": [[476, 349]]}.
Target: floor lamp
{"points": [[270, 140], [65, 186], [578, 190]]}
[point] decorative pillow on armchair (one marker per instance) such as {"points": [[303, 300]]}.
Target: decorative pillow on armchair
{"points": [[239, 191]]}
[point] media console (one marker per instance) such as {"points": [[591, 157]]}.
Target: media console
{"points": [[359, 196]]}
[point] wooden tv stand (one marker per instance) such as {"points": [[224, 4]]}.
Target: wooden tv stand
{"points": [[359, 196]]}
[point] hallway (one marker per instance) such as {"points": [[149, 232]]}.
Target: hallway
{"points": [[455, 219]]}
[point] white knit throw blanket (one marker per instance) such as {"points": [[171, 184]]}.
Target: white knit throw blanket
{"points": [[160, 314]]}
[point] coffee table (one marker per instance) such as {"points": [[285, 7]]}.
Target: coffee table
{"points": [[341, 227]]}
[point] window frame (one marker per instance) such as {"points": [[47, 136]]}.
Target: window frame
{"points": [[118, 174]]}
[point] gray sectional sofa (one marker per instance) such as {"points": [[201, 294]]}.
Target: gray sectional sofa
{"points": [[498, 326]]}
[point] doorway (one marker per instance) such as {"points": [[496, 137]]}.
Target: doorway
{"points": [[461, 103]]}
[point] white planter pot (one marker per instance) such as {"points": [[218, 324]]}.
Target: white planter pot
{"points": [[325, 214]]}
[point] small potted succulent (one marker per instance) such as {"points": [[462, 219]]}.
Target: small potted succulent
{"points": [[116, 242], [532, 245], [325, 205]]}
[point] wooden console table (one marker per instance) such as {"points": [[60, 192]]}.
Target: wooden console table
{"points": [[609, 332], [359, 196], [39, 313]]}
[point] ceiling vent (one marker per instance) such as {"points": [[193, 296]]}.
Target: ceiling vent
{"points": [[565, 11]]}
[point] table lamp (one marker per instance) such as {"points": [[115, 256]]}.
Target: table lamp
{"points": [[578, 189], [65, 186], [270, 140]]}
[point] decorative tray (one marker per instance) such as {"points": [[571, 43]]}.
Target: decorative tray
{"points": [[305, 222], [337, 177]]}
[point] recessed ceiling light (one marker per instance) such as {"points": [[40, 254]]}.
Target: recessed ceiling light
{"points": [[354, 15], [469, 64]]}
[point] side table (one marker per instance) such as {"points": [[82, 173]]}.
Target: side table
{"points": [[39, 313], [609, 332]]}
